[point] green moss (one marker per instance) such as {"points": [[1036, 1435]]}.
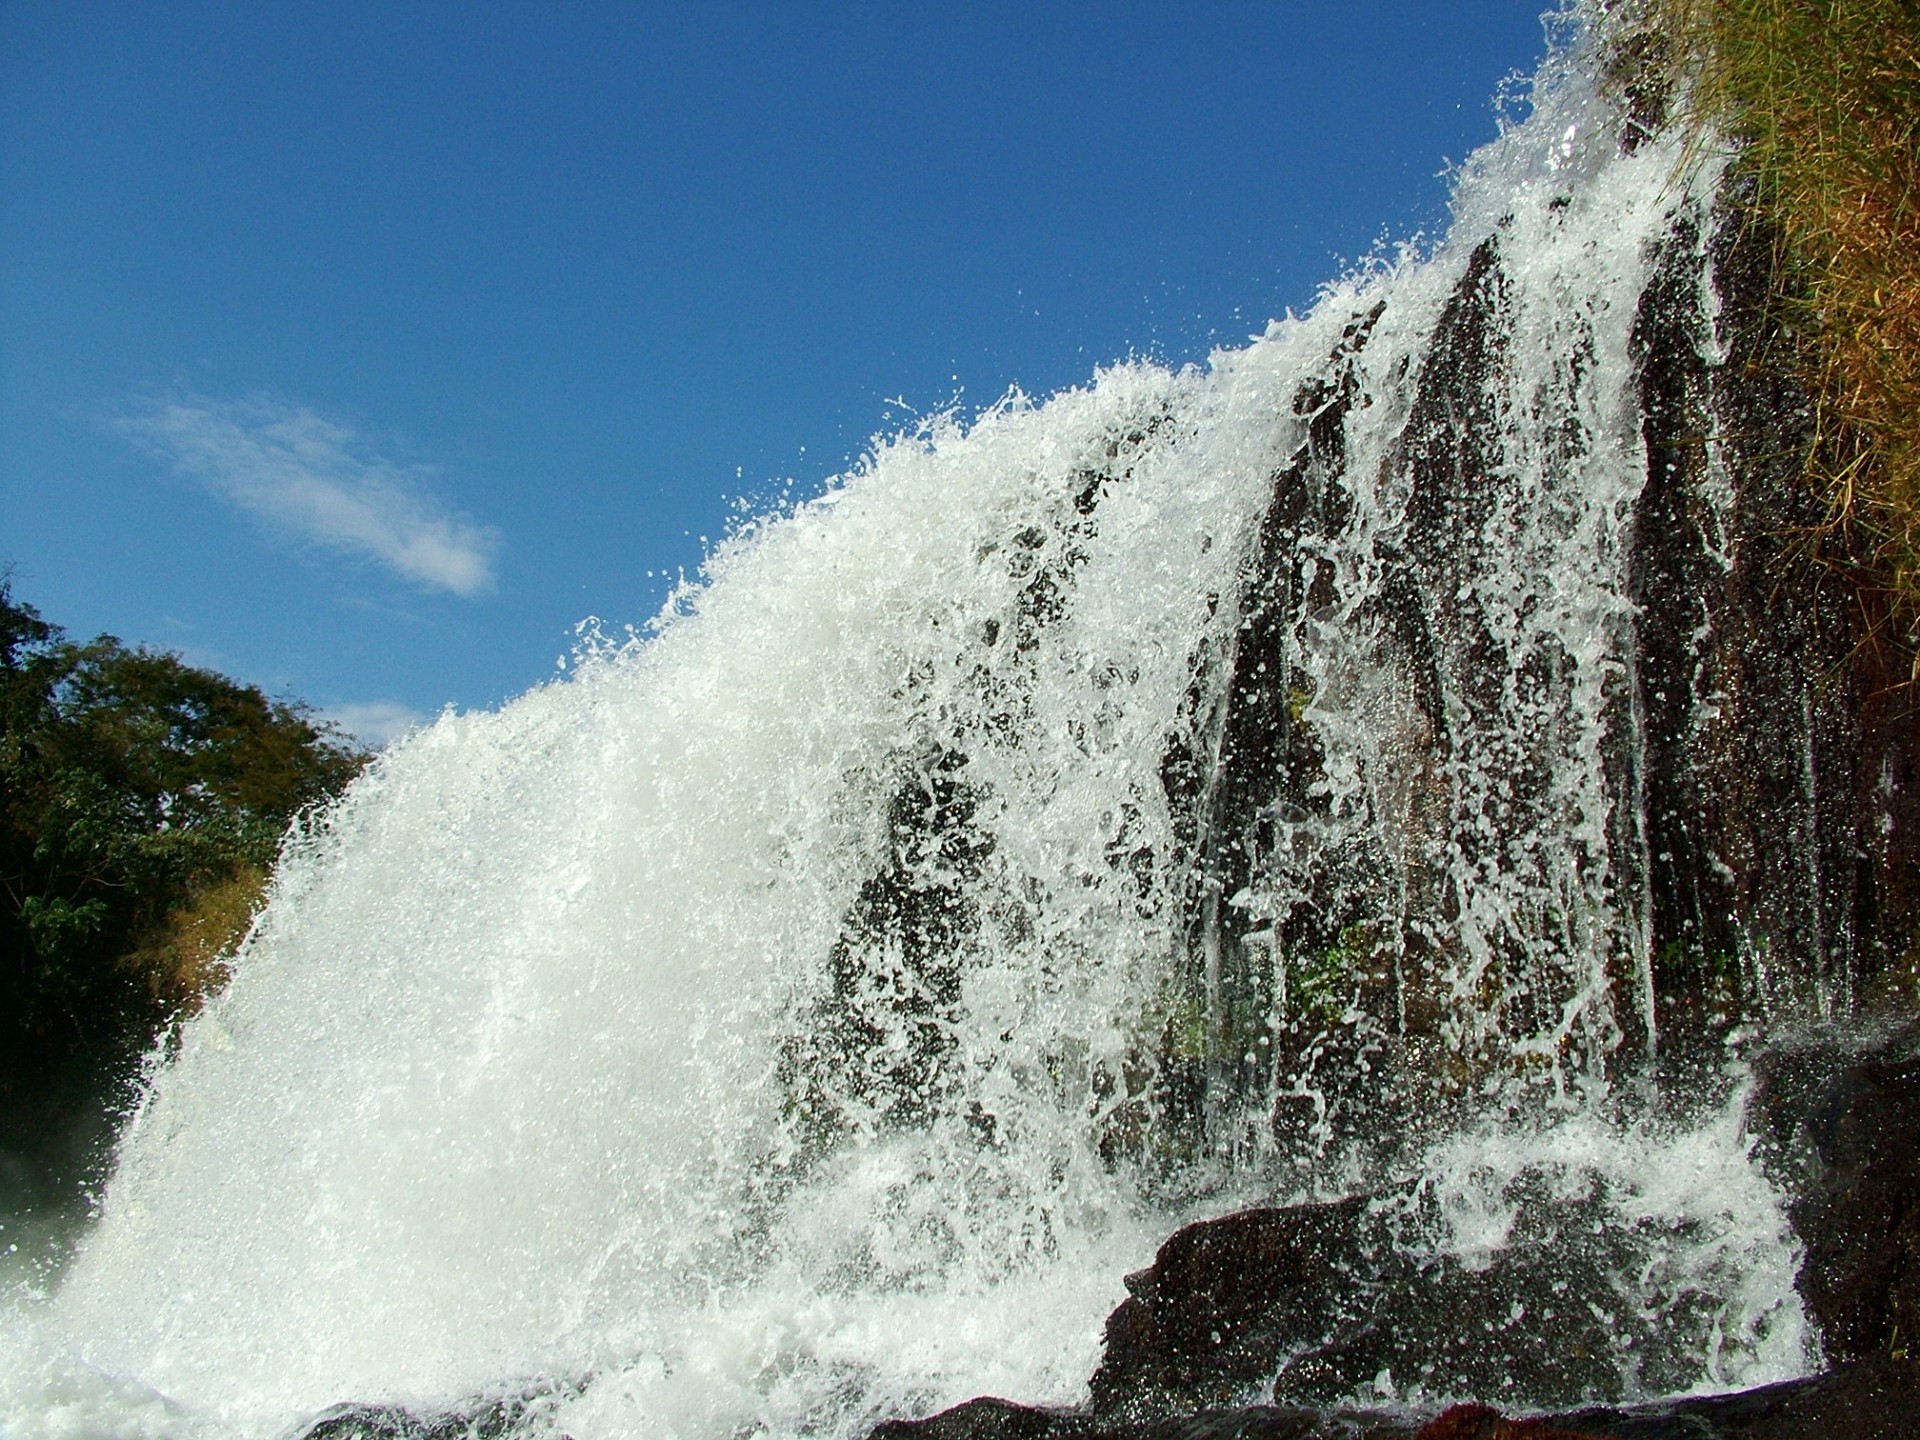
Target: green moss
{"points": [[1186, 1032], [1321, 983], [1299, 697]]}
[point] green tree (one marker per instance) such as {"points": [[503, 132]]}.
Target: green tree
{"points": [[142, 801]]}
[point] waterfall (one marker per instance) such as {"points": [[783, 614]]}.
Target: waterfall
{"points": [[1253, 780]]}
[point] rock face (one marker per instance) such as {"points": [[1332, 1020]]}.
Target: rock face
{"points": [[1861, 1219], [1758, 769], [1533, 739], [1223, 1302], [1842, 1123]]}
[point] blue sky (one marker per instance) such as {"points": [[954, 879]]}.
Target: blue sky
{"points": [[360, 350]]}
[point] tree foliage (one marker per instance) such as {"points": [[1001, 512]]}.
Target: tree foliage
{"points": [[142, 801]]}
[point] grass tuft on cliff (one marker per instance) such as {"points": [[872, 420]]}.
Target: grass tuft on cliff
{"points": [[1823, 99]]}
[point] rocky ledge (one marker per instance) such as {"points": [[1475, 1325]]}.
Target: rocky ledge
{"points": [[1302, 1308]]}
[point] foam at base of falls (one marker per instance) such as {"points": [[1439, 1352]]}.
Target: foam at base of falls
{"points": [[1684, 1233]]}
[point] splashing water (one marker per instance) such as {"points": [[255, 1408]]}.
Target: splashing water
{"points": [[807, 1015]]}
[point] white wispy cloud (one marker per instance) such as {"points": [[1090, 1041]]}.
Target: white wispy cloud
{"points": [[376, 722], [319, 480]]}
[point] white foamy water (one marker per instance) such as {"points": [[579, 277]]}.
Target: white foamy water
{"points": [[535, 1075]]}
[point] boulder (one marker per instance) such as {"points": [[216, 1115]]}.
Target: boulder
{"points": [[1483, 1422], [1367, 1300], [1877, 1399], [1272, 1323], [1873, 1400], [1842, 1120]]}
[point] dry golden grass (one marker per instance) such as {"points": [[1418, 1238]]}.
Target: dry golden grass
{"points": [[1823, 98], [188, 962]]}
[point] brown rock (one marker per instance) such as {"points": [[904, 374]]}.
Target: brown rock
{"points": [[1860, 1215], [1483, 1422]]}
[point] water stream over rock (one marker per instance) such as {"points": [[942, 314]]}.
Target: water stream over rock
{"points": [[1403, 758]]}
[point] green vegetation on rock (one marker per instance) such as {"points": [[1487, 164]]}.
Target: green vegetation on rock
{"points": [[1823, 99]]}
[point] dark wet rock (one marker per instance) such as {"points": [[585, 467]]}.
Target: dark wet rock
{"points": [[1483, 1422], [1877, 1399], [988, 1418], [1319, 1304], [1303, 1306], [1310, 1303], [1003, 1420], [1221, 1302], [491, 1419], [1861, 1220], [1761, 846], [877, 1049], [1874, 1400], [1840, 1117]]}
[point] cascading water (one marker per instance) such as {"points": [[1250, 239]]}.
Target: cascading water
{"points": [[1198, 786]]}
